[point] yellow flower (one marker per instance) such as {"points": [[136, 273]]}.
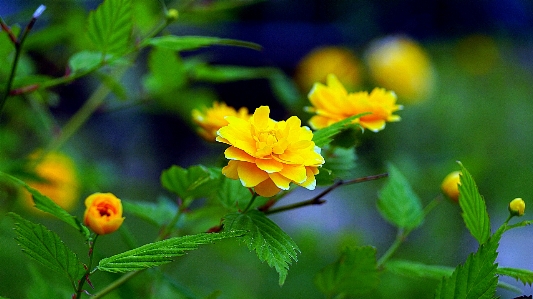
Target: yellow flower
{"points": [[212, 119], [450, 185], [320, 62], [401, 64], [332, 103], [517, 207], [268, 155], [103, 213], [59, 180]]}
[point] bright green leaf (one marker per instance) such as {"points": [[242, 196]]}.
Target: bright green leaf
{"points": [[355, 273], [232, 194], [477, 277], [473, 206], [85, 61], [418, 270], [188, 43], [195, 182], [525, 276], [226, 73], [47, 248], [341, 161], [110, 26], [268, 240], [167, 71], [161, 252], [324, 136], [398, 203], [158, 213], [45, 204]]}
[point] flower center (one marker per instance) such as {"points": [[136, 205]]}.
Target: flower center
{"points": [[105, 210]]}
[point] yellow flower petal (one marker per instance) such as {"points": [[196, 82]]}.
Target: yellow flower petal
{"points": [[280, 181], [234, 153], [294, 173], [230, 170], [250, 175], [269, 165], [310, 182], [267, 188]]}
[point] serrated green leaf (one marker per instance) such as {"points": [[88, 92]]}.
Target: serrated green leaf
{"points": [[473, 206], [188, 43], [232, 195], [47, 248], [85, 61], [162, 252], [477, 277], [354, 274], [341, 161], [45, 204], [158, 213], [418, 270], [324, 136], [525, 276], [191, 183], [398, 203], [110, 26], [269, 241]]}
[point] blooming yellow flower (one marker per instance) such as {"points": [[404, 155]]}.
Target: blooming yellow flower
{"points": [[320, 62], [59, 180], [268, 155], [517, 207], [103, 213], [450, 185], [332, 103], [212, 119], [401, 64]]}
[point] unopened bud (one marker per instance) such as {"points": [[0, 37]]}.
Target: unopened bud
{"points": [[517, 207], [450, 185]]}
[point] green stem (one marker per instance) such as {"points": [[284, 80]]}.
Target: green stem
{"points": [[79, 288], [115, 284], [254, 196], [400, 237]]}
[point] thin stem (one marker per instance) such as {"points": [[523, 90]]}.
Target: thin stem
{"points": [[254, 196], [317, 200], [400, 237], [115, 284], [85, 276]]}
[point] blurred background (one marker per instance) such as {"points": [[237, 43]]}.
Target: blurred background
{"points": [[461, 69]]}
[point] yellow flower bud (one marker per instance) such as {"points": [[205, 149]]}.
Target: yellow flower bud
{"points": [[319, 63], [399, 63], [210, 120], [172, 15], [450, 185], [517, 207], [103, 213]]}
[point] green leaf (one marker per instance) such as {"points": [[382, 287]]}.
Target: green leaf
{"points": [[47, 248], [341, 161], [269, 241], [162, 252], [188, 43], [158, 213], [232, 194], [226, 73], [398, 203], [418, 270], [473, 206], [477, 277], [195, 182], [285, 89], [85, 61], [355, 273], [167, 71], [45, 204], [324, 136], [114, 85], [525, 276], [110, 26]]}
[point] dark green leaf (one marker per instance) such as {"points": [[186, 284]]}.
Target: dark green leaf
{"points": [[473, 206], [110, 26], [341, 161], [195, 182], [162, 252], [158, 214], [188, 43], [525, 276], [232, 194], [285, 89], [355, 273], [324, 136], [39, 286], [45, 204], [167, 71], [418, 270], [85, 61], [398, 203], [47, 248], [268, 240], [225, 73], [477, 277]]}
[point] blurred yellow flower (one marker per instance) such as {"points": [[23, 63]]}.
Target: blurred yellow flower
{"points": [[450, 185], [59, 180], [517, 207], [401, 64], [103, 213], [268, 155], [320, 62], [211, 119], [332, 103]]}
